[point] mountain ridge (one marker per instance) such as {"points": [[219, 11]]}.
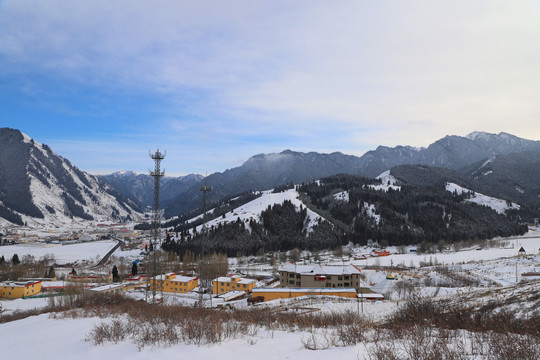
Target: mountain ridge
{"points": [[39, 187], [265, 171]]}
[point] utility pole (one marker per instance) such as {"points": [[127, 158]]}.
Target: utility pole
{"points": [[203, 285], [156, 217]]}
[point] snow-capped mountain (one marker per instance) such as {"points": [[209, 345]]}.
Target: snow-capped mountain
{"points": [[266, 171], [40, 188]]}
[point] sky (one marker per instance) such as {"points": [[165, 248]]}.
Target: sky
{"points": [[212, 83]]}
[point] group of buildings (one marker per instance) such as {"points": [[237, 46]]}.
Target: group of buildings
{"points": [[294, 280]]}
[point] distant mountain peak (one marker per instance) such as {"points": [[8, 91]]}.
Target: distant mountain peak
{"points": [[477, 135], [125, 173]]}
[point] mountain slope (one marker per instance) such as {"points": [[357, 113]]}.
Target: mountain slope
{"points": [[140, 187], [513, 177], [266, 171], [41, 188]]}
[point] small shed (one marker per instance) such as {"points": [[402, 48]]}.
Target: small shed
{"points": [[521, 252]]}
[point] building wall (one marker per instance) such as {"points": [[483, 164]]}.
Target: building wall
{"points": [[221, 287], [14, 291], [270, 294], [171, 284], [291, 279]]}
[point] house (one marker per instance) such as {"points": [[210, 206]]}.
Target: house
{"points": [[522, 252], [19, 289], [172, 283], [109, 289], [224, 284], [320, 276], [90, 278], [232, 295]]}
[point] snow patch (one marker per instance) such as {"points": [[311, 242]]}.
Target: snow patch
{"points": [[253, 209], [387, 182], [371, 211], [500, 206], [342, 196]]}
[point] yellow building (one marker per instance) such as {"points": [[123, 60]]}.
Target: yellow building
{"points": [[172, 283], [222, 285], [284, 293], [19, 289]]}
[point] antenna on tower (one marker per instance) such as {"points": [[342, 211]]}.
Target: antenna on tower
{"points": [[203, 286], [157, 174]]}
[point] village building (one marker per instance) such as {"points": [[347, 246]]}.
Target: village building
{"points": [[90, 278], [224, 284], [15, 290], [109, 289], [269, 294], [172, 283], [320, 276]]}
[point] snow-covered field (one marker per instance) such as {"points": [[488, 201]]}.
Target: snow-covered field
{"points": [[530, 242], [63, 254], [68, 337], [65, 339]]}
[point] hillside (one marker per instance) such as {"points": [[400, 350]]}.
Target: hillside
{"points": [[266, 171], [345, 208], [40, 188]]}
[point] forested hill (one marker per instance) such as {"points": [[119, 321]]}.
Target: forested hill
{"points": [[357, 210]]}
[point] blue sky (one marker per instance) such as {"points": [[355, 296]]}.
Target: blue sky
{"points": [[214, 82]]}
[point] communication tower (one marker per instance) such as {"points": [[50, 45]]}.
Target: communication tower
{"points": [[203, 285], [157, 174]]}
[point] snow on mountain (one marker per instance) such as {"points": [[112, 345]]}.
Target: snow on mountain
{"points": [[253, 209], [477, 135], [387, 182], [45, 190], [500, 206], [372, 212], [342, 196]]}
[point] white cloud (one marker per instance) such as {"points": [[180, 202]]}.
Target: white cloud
{"points": [[383, 72]]}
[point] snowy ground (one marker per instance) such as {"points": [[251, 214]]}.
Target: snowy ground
{"points": [[63, 254], [66, 339], [67, 336]]}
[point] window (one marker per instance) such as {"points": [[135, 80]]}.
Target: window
{"points": [[329, 277], [244, 286], [346, 277], [340, 285], [347, 285], [298, 283], [340, 277], [291, 275], [298, 276], [328, 285], [291, 282]]}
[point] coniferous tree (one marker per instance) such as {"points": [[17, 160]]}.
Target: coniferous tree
{"points": [[15, 259], [50, 273], [134, 269], [115, 273]]}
